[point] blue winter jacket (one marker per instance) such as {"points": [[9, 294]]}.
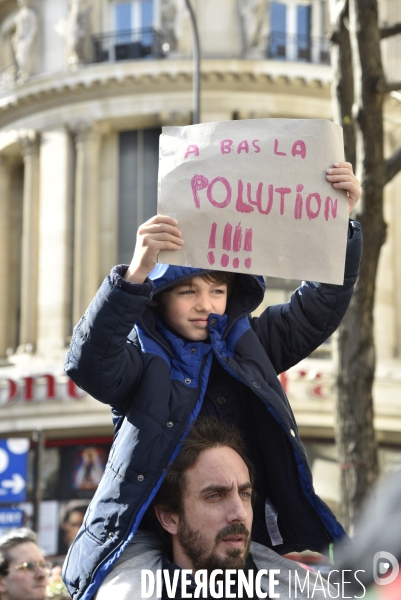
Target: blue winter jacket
{"points": [[155, 385]]}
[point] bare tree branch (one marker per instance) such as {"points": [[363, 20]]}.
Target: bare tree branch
{"points": [[386, 32], [393, 165], [392, 86]]}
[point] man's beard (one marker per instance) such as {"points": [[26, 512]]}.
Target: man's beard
{"points": [[192, 542]]}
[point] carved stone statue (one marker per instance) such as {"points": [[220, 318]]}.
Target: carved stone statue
{"points": [[254, 25], [168, 10], [174, 18], [76, 28], [26, 25]]}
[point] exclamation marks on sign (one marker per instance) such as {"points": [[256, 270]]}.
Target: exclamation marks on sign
{"points": [[231, 242]]}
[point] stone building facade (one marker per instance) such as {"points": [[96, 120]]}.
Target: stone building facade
{"points": [[85, 87]]}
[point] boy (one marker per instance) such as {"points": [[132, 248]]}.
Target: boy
{"points": [[194, 350]]}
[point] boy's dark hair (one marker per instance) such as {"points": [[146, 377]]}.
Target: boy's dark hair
{"points": [[10, 540], [206, 433]]}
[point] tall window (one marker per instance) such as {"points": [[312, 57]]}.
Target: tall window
{"points": [[137, 14], [278, 29], [138, 167], [303, 33], [133, 27], [131, 33], [291, 27]]}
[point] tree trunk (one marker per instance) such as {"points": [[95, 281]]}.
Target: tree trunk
{"points": [[355, 434], [343, 82]]}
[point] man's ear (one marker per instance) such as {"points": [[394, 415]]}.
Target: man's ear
{"points": [[168, 520], [3, 587]]}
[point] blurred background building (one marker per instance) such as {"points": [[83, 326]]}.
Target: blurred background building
{"points": [[85, 87]]}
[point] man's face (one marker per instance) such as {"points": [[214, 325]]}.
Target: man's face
{"points": [[214, 528], [21, 584], [186, 308]]}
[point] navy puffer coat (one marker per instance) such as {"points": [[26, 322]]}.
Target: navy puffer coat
{"points": [[155, 385]]}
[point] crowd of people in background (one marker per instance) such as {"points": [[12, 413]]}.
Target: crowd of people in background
{"points": [[25, 574]]}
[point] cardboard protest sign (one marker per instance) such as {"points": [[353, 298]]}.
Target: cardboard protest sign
{"points": [[252, 196]]}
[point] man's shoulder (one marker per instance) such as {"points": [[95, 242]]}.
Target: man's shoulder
{"points": [[291, 579], [266, 558], [125, 580]]}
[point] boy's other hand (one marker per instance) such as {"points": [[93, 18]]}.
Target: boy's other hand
{"points": [[342, 178], [159, 233]]}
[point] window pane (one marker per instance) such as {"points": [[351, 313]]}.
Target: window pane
{"points": [[303, 20], [147, 13], [123, 16], [128, 195], [138, 166], [303, 31], [151, 166], [278, 16]]}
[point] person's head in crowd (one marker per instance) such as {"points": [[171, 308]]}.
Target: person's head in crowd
{"points": [[72, 521], [23, 570], [205, 502]]}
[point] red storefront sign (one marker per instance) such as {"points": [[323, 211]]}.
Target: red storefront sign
{"points": [[38, 388]]}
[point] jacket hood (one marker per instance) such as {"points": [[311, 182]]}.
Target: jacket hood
{"points": [[245, 296]]}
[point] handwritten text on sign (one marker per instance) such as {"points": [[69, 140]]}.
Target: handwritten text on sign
{"points": [[252, 196]]}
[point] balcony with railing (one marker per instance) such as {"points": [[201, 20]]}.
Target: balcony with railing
{"points": [[302, 48], [128, 45], [147, 43]]}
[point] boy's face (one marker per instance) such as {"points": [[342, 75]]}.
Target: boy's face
{"points": [[186, 308]]}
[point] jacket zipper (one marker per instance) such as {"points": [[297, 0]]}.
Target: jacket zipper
{"points": [[307, 468], [227, 368]]}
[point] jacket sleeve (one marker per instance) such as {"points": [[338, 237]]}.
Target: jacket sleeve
{"points": [[290, 332], [101, 360]]}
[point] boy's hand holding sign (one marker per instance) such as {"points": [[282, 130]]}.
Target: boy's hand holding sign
{"points": [[255, 197]]}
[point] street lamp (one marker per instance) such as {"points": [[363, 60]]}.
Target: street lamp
{"points": [[196, 73]]}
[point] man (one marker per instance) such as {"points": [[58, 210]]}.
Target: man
{"points": [[23, 570], [204, 514], [164, 345]]}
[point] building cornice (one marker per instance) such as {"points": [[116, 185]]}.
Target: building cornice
{"points": [[104, 80]]}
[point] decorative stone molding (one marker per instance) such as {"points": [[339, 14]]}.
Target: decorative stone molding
{"points": [[81, 130], [175, 118], [105, 80], [28, 140]]}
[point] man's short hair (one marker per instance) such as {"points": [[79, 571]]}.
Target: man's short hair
{"points": [[206, 433], [10, 540]]}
